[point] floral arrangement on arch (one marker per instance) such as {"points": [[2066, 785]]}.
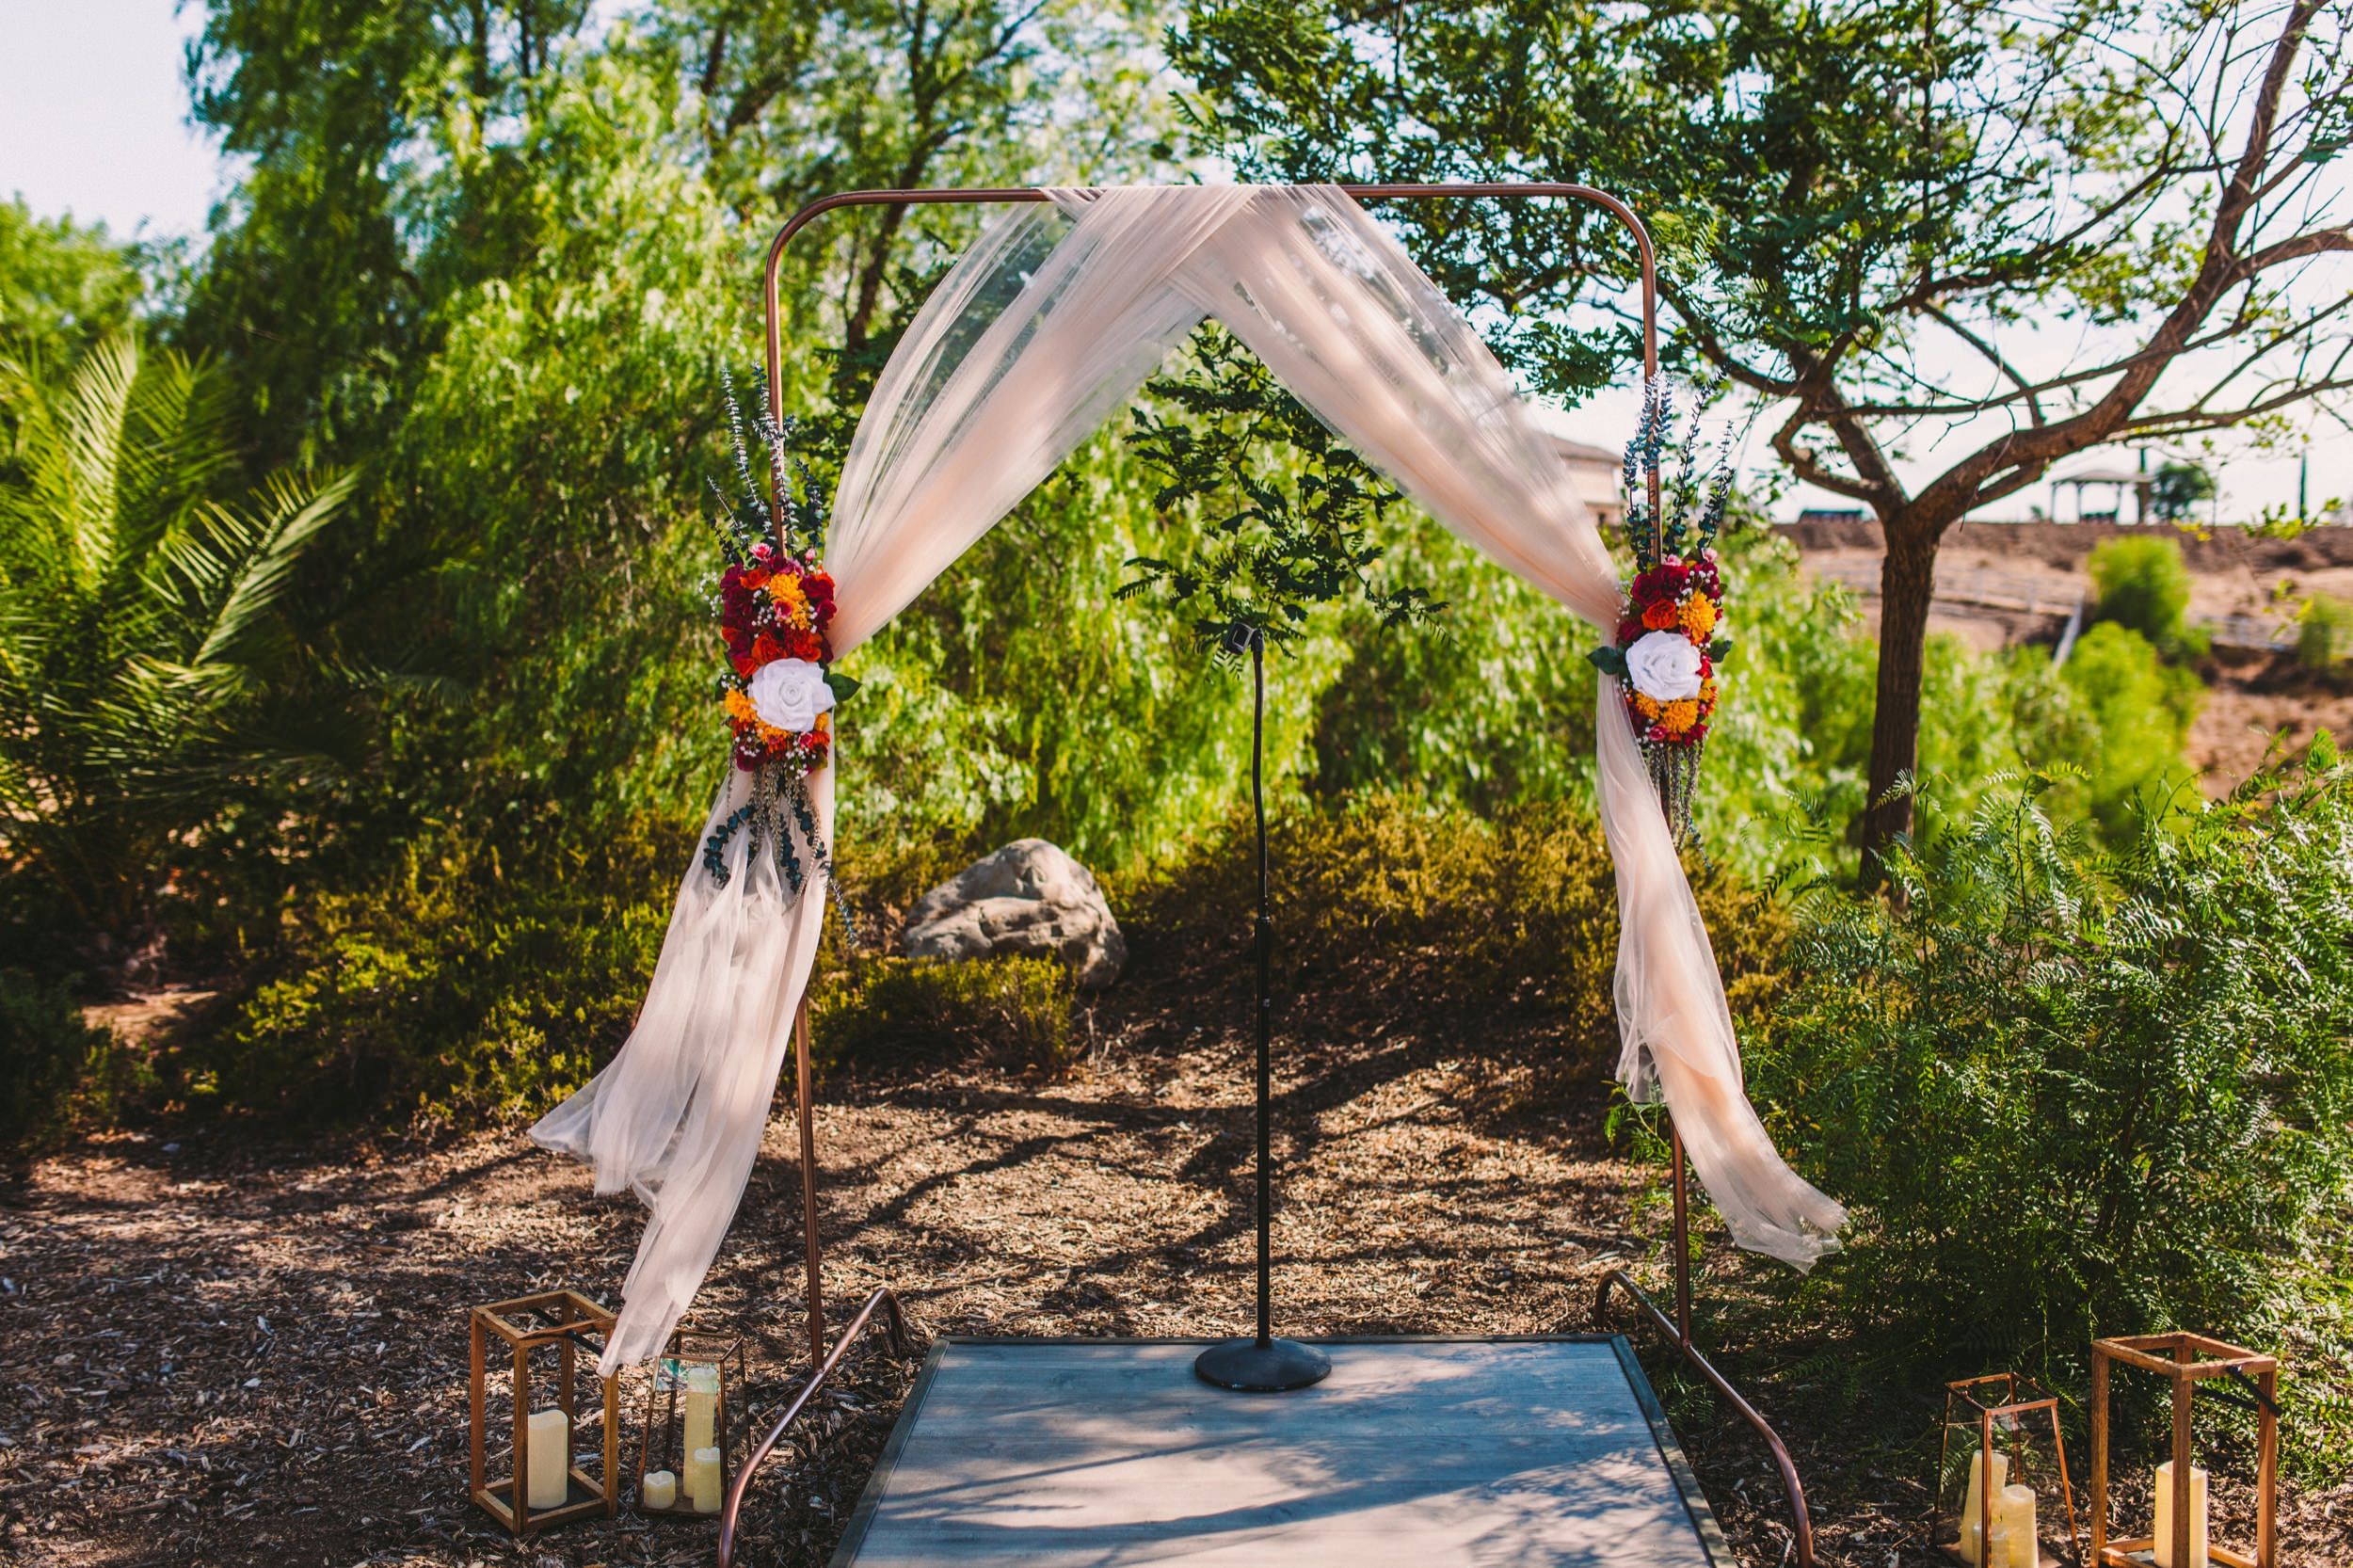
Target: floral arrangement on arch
{"points": [[1670, 633], [775, 601], [774, 608]]}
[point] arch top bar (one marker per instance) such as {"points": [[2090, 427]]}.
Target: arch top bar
{"points": [[1005, 195]]}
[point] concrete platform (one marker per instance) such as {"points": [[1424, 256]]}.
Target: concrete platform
{"points": [[1414, 1453]]}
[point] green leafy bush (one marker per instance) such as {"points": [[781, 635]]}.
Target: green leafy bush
{"points": [[468, 988], [2134, 714], [47, 1054], [881, 1011], [2141, 583], [2324, 631], [2068, 1095], [1389, 894]]}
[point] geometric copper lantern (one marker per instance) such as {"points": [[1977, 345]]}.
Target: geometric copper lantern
{"points": [[2001, 1510], [690, 1407], [545, 1487], [2186, 1361]]}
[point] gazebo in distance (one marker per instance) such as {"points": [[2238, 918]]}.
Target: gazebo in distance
{"points": [[2117, 480]]}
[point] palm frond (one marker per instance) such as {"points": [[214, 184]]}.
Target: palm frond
{"points": [[270, 545]]}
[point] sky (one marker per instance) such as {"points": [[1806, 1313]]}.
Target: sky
{"points": [[93, 116], [93, 121]]}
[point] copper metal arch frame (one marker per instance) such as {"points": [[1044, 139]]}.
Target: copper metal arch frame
{"points": [[1677, 1329]]}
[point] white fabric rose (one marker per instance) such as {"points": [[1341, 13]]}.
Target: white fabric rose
{"points": [[790, 694], [1664, 666]]}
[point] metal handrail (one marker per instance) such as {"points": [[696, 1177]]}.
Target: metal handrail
{"points": [[1679, 1332], [731, 1514]]}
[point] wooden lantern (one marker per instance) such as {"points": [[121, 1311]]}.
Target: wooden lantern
{"points": [[2000, 1414], [2187, 1360], [565, 1322], [664, 1440]]}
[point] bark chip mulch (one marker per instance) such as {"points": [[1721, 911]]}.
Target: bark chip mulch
{"points": [[215, 1352]]}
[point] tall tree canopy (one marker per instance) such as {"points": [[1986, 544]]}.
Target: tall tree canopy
{"points": [[496, 254], [1849, 201]]}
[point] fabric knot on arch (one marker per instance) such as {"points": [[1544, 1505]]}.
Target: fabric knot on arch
{"points": [[1045, 327]]}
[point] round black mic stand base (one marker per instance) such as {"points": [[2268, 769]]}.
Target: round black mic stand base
{"points": [[1261, 1365]]}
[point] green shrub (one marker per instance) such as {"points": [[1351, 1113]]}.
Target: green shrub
{"points": [[2069, 1095], [2324, 631], [2135, 713], [2142, 584], [47, 1054], [1389, 894], [461, 990], [881, 1011]]}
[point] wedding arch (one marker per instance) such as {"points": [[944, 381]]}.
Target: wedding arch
{"points": [[1050, 322]]}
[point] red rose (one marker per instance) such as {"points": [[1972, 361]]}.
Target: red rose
{"points": [[765, 649], [806, 644]]}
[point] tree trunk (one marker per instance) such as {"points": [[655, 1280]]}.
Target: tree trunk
{"points": [[1907, 583]]}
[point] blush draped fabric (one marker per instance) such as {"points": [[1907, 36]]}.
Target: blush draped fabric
{"points": [[1048, 324]]}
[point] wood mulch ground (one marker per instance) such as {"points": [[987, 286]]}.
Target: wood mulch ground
{"points": [[219, 1352]]}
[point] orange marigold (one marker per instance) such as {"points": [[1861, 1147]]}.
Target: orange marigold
{"points": [[1707, 693], [1699, 617], [1679, 715], [739, 708], [1646, 706], [1661, 615], [791, 597]]}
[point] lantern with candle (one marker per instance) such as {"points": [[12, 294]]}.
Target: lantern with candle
{"points": [[2188, 1362], [1999, 1491], [544, 1337], [683, 1442]]}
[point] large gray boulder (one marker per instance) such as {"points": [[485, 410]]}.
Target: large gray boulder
{"points": [[1028, 897]]}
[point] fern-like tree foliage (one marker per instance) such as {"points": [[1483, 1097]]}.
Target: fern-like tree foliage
{"points": [[2070, 1094], [1289, 513], [151, 664]]}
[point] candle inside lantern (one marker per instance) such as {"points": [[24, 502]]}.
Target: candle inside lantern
{"points": [[658, 1490], [702, 1480], [702, 1407], [2015, 1510], [549, 1441], [1973, 1510], [2198, 1558]]}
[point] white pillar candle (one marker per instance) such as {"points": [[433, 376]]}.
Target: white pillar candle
{"points": [[2197, 1516], [702, 1480], [658, 1490], [1972, 1504], [548, 1440], [2016, 1513], [702, 1408]]}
